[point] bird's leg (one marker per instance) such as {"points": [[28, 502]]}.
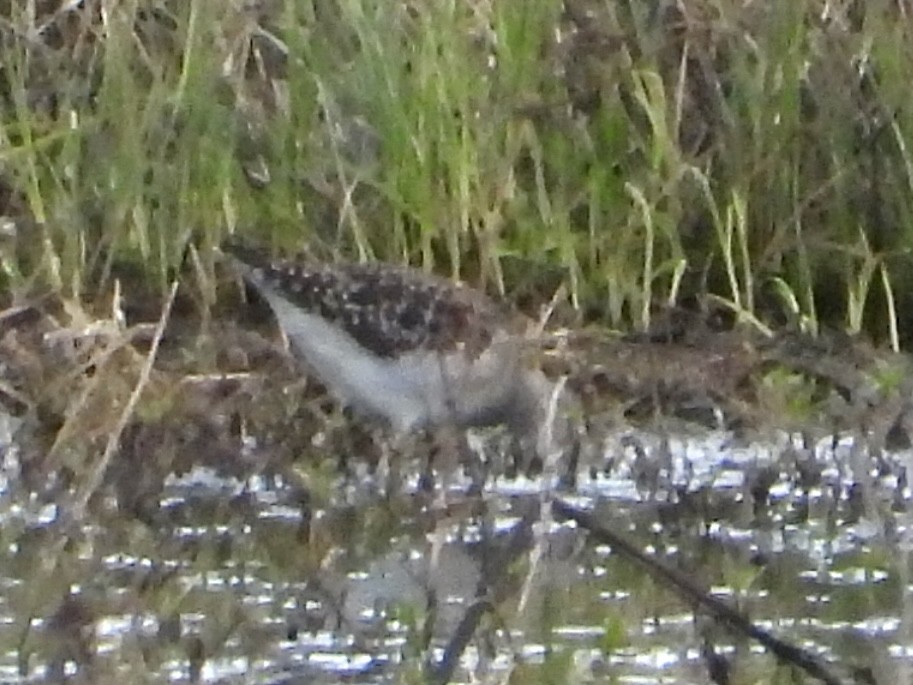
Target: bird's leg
{"points": [[401, 449], [452, 446], [452, 451]]}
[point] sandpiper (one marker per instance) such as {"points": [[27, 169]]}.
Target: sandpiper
{"points": [[417, 350]]}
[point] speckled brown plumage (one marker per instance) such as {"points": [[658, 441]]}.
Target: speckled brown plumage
{"points": [[414, 349], [387, 309]]}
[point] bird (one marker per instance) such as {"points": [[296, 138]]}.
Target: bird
{"points": [[414, 349]]}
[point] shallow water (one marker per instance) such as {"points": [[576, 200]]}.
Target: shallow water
{"points": [[267, 581]]}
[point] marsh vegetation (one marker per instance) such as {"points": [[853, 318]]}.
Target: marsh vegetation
{"points": [[707, 203]]}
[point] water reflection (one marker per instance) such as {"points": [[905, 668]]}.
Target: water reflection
{"points": [[248, 581]]}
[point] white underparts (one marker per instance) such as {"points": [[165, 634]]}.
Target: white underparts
{"points": [[420, 387]]}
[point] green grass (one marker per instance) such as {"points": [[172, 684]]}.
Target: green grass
{"points": [[757, 154]]}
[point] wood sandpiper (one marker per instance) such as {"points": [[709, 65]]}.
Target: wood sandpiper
{"points": [[417, 350]]}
